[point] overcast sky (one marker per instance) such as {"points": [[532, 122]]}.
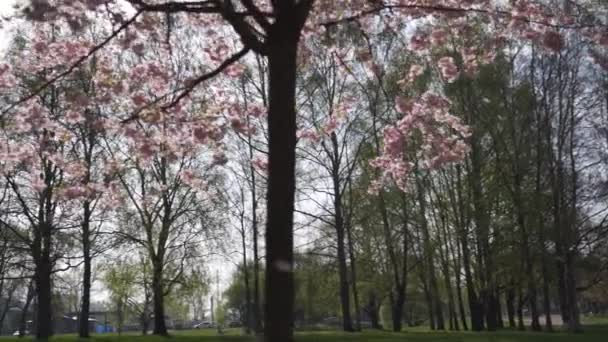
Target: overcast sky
{"points": [[6, 7]]}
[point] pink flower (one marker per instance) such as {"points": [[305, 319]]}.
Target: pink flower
{"points": [[439, 37], [74, 117], [448, 68], [419, 43], [309, 134], [260, 164], [139, 99], [415, 72]]}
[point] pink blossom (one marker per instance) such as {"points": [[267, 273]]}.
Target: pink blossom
{"points": [[139, 99], [74, 117], [448, 68], [419, 43], [260, 164], [309, 134], [439, 37]]}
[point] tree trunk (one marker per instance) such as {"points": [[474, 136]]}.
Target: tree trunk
{"points": [[520, 309], [144, 323], [429, 302], [510, 304], [42, 277], [26, 308], [397, 304], [83, 329], [282, 44], [547, 298], [257, 320], [463, 316], [347, 323], [44, 319], [353, 275], [429, 264], [373, 310], [248, 318], [499, 320], [574, 323], [160, 326]]}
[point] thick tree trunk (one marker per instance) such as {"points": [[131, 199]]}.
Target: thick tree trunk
{"points": [[574, 323], [398, 302], [44, 319], [42, 278], [282, 44], [160, 326], [83, 329]]}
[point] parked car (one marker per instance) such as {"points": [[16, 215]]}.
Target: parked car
{"points": [[203, 325], [16, 333]]}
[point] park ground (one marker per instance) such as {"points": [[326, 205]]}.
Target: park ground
{"points": [[594, 332]]}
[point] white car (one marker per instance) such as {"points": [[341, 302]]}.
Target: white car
{"points": [[25, 333], [203, 325]]}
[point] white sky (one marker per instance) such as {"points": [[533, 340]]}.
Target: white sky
{"points": [[6, 8]]}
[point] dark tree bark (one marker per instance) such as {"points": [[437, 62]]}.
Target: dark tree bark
{"points": [[429, 263], [520, 308], [475, 305], [347, 323], [373, 310], [160, 326], [42, 277], [83, 329], [510, 301], [282, 47]]}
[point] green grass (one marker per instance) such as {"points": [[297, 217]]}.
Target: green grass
{"points": [[593, 333]]}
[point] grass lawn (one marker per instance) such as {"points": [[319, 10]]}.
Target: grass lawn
{"points": [[593, 333]]}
